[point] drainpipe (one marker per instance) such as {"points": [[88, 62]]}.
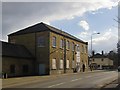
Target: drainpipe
{"points": [[64, 55]]}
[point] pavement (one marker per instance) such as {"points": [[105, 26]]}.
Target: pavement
{"points": [[6, 83]]}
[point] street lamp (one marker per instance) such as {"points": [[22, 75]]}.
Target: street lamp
{"points": [[91, 40], [91, 43]]}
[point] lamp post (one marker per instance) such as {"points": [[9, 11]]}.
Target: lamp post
{"points": [[91, 43]]}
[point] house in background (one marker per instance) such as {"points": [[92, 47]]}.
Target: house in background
{"points": [[55, 51], [101, 61]]}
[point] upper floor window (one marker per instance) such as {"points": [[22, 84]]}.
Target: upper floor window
{"points": [[12, 41], [73, 46], [68, 45], [102, 59], [61, 43], [78, 48], [86, 50], [54, 41], [82, 48], [41, 41]]}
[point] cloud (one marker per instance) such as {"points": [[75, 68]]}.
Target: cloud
{"points": [[106, 40], [84, 25], [18, 15]]}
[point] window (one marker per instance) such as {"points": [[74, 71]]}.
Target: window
{"points": [[78, 48], [68, 45], [41, 41], [12, 68], [12, 41], [61, 43], [98, 65], [86, 49], [73, 64], [54, 41], [61, 64], [82, 48], [102, 59], [93, 59], [67, 64], [73, 46], [54, 64], [25, 68]]}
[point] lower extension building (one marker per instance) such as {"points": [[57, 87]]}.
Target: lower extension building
{"points": [[49, 51]]}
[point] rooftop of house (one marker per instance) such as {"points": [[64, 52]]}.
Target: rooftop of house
{"points": [[40, 27], [98, 55], [14, 50]]}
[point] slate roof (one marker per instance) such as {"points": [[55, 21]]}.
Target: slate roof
{"points": [[14, 50], [40, 27]]}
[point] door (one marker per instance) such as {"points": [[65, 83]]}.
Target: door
{"points": [[41, 69]]}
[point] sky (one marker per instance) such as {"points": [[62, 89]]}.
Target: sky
{"points": [[81, 19]]}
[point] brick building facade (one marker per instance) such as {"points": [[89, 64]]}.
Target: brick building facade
{"points": [[55, 51]]}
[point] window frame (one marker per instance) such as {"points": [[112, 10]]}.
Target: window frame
{"points": [[12, 69], [54, 41], [61, 43], [25, 69], [61, 64], [41, 41], [54, 66]]}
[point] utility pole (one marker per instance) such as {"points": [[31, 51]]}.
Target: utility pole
{"points": [[64, 55]]}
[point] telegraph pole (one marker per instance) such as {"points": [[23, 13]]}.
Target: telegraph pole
{"points": [[64, 55]]}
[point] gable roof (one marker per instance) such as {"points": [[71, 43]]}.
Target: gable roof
{"points": [[13, 50], [40, 27], [99, 56]]}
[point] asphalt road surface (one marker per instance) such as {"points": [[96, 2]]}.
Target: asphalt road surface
{"points": [[76, 80]]}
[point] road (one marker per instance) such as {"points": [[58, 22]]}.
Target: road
{"points": [[76, 80]]}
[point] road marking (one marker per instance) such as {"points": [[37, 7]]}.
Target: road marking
{"points": [[76, 79], [56, 85], [88, 76]]}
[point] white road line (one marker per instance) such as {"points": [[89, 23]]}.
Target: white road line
{"points": [[56, 85], [76, 79], [88, 76]]}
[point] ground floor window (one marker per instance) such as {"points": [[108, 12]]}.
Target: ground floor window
{"points": [[67, 64], [25, 68], [73, 64], [12, 68], [61, 64], [54, 64]]}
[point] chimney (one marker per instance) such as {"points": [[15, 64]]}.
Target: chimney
{"points": [[102, 53]]}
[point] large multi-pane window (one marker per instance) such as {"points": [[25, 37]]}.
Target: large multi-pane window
{"points": [[54, 41], [61, 43], [77, 48], [68, 45], [73, 46], [54, 64], [41, 41], [12, 68], [61, 64]]}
